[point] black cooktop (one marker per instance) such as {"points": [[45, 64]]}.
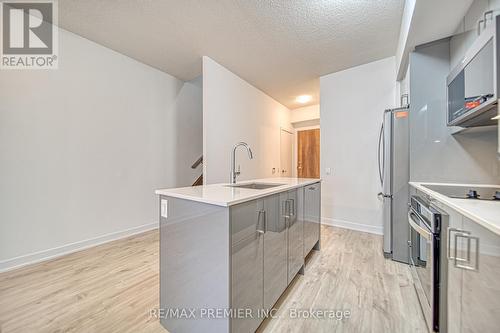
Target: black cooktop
{"points": [[467, 192]]}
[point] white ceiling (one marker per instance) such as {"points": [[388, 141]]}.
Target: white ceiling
{"points": [[281, 47]]}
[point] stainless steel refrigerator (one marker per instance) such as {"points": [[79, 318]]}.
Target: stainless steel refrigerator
{"points": [[394, 172]]}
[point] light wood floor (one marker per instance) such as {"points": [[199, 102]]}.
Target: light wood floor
{"points": [[351, 273], [112, 287]]}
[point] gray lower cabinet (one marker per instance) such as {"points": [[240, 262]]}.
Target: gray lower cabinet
{"points": [[473, 284], [312, 218], [258, 258], [247, 257], [239, 258], [291, 215], [481, 279], [267, 238], [275, 252], [450, 318]]}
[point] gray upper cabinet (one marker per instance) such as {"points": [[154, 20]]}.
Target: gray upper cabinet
{"points": [[247, 255], [312, 209], [275, 252]]}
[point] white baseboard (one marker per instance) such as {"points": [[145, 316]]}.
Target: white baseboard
{"points": [[372, 229], [36, 257]]}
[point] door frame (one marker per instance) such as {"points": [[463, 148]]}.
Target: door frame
{"points": [[292, 132], [295, 157]]}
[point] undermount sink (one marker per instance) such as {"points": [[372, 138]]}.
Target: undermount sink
{"points": [[255, 186]]}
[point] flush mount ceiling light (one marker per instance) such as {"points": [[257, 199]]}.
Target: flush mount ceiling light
{"points": [[302, 99]]}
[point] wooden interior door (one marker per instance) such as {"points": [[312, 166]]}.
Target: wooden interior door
{"points": [[308, 153]]}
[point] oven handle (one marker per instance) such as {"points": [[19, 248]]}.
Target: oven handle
{"points": [[422, 231]]}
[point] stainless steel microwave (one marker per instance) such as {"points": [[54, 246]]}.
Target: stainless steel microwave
{"points": [[472, 84]]}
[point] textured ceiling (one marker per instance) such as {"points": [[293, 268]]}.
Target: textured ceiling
{"points": [[281, 47]]}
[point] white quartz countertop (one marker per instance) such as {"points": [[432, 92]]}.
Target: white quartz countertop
{"points": [[225, 195], [485, 213]]}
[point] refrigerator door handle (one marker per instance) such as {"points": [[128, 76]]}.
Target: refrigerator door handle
{"points": [[381, 146], [382, 195]]}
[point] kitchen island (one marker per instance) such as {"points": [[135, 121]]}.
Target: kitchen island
{"points": [[228, 252]]}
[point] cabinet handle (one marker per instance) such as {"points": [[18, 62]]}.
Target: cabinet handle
{"points": [[292, 207], [261, 231], [312, 188], [286, 209], [448, 252], [265, 221], [456, 260], [479, 26]]}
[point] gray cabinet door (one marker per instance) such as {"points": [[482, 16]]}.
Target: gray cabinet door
{"points": [[289, 205], [275, 252], [481, 280], [312, 211], [451, 297], [247, 255]]}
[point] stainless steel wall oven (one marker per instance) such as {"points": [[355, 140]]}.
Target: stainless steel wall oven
{"points": [[426, 223]]}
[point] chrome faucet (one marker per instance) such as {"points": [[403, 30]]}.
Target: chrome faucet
{"points": [[235, 173]]}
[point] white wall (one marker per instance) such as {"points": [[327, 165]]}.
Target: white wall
{"points": [[233, 111], [404, 86], [352, 105], [82, 149], [189, 131], [306, 113]]}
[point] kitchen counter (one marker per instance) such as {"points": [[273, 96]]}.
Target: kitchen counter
{"points": [[227, 248], [224, 195], [485, 213]]}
